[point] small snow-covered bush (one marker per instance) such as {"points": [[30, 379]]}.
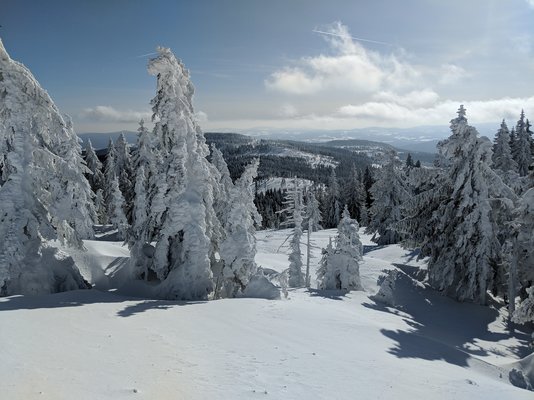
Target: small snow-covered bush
{"points": [[260, 287], [386, 291]]}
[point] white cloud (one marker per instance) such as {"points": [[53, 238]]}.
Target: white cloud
{"points": [[201, 117], [451, 73], [288, 110], [415, 98], [530, 3], [110, 114], [351, 68], [439, 113], [393, 111]]}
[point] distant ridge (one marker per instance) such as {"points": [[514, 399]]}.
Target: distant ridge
{"points": [[100, 140]]}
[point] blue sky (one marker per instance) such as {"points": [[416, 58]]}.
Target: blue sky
{"points": [[282, 64]]}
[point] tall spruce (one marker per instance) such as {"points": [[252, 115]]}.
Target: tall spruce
{"points": [[181, 219], [389, 193], [238, 247], [463, 247], [42, 168]]}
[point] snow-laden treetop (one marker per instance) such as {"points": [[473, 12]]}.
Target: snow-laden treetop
{"points": [[172, 74]]}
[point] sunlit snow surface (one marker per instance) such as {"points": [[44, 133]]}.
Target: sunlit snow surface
{"points": [[103, 344]]}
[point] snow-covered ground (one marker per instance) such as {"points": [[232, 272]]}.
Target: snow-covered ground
{"points": [[276, 183], [104, 344]]}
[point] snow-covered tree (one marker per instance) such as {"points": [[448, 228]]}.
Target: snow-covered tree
{"points": [[332, 212], [463, 246], [339, 268], [117, 216], [109, 172], [238, 248], [225, 185], [34, 161], [389, 193], [181, 219], [96, 181], [353, 195], [95, 177], [522, 146], [72, 206], [525, 312], [294, 209], [313, 224], [502, 154], [525, 239], [123, 172]]}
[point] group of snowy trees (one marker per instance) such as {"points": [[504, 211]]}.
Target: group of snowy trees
{"points": [[192, 228], [470, 215], [189, 227]]}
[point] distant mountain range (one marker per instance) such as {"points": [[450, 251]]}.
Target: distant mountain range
{"points": [[417, 139]]}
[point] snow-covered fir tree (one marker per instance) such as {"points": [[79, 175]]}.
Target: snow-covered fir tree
{"points": [[37, 164], [353, 196], [123, 172], [72, 206], [96, 181], [502, 154], [522, 146], [525, 240], [109, 172], [339, 268], [332, 212], [389, 193], [238, 248], [313, 223], [294, 209], [225, 185], [463, 245], [117, 216], [96, 176], [181, 220]]}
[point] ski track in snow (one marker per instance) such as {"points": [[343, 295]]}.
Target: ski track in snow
{"points": [[102, 344]]}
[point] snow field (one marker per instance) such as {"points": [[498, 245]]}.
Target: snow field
{"points": [[102, 344]]}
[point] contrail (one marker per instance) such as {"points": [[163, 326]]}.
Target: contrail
{"points": [[352, 37], [146, 55]]}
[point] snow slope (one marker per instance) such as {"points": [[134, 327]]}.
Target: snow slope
{"points": [[103, 344]]}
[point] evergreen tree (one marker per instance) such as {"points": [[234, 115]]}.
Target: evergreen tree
{"points": [[353, 195], [339, 268], [522, 150], [389, 193], [97, 182], [238, 248], [36, 163], [333, 208], [225, 185], [409, 161], [368, 181], [117, 216], [123, 171], [95, 177], [181, 219], [502, 154], [294, 208], [463, 246], [109, 173], [313, 224]]}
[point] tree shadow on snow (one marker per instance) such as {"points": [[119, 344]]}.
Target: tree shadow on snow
{"points": [[329, 294], [79, 298], [441, 328]]}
